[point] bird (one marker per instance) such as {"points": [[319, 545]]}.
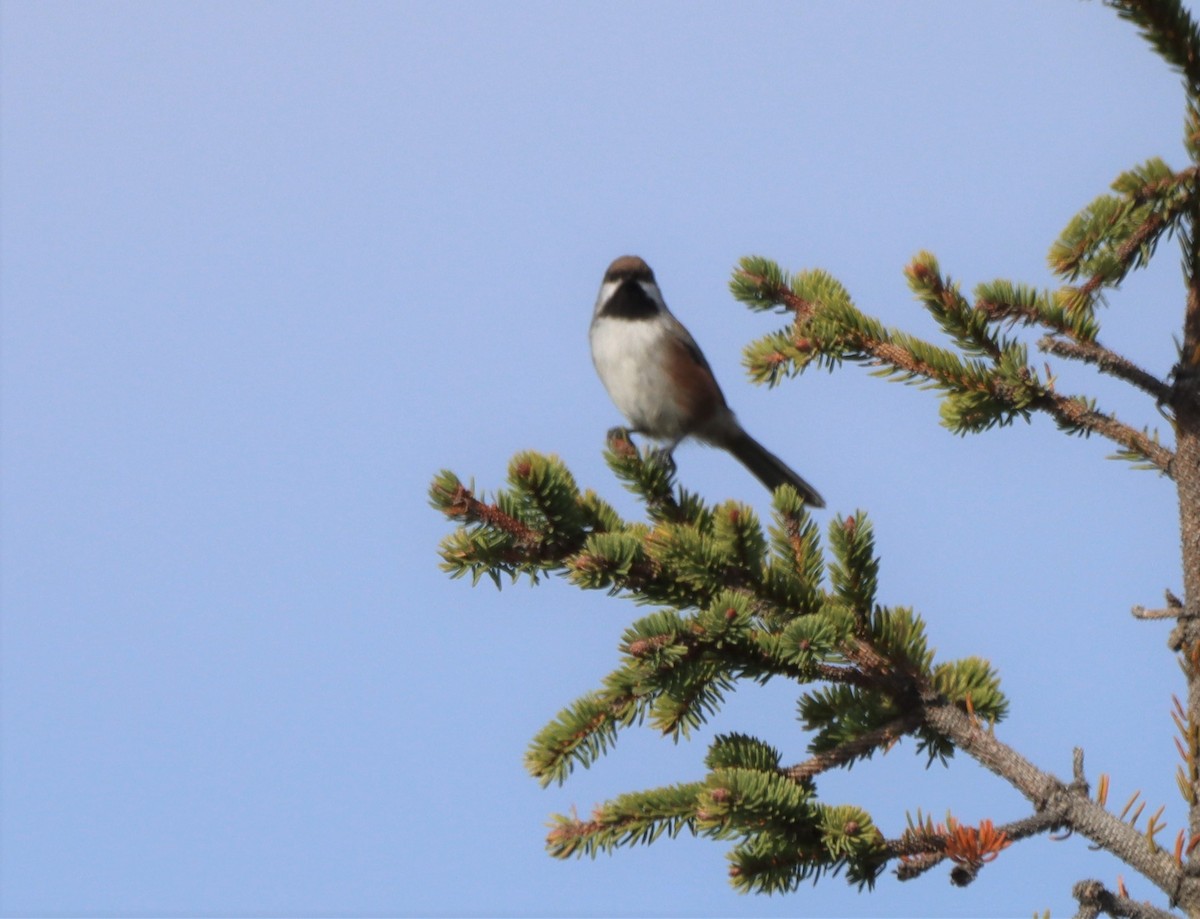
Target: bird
{"points": [[657, 376]]}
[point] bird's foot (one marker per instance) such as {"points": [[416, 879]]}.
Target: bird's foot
{"points": [[663, 455]]}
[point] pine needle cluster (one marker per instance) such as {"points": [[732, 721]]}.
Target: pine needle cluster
{"points": [[732, 602], [983, 373]]}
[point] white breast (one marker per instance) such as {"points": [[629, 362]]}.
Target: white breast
{"points": [[628, 358]]}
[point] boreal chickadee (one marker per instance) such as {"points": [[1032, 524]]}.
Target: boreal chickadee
{"points": [[659, 380]]}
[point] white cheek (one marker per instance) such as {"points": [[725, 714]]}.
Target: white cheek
{"points": [[606, 291], [652, 291]]}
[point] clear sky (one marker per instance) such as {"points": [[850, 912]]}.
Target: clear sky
{"points": [[267, 267]]}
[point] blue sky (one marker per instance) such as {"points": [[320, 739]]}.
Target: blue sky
{"points": [[267, 267]]}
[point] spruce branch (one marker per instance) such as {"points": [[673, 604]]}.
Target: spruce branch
{"points": [[762, 285], [1076, 415], [1168, 26], [1116, 234], [1003, 301], [649, 474], [1068, 806], [1107, 361], [992, 386], [745, 607], [1095, 899], [1133, 251], [504, 537], [877, 680], [925, 845], [970, 327], [458, 502], [1170, 612], [630, 819], [858, 748]]}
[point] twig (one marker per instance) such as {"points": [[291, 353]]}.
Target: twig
{"points": [[1171, 612], [1067, 805], [1107, 361], [924, 852], [1068, 411], [1075, 413], [463, 504], [1094, 898], [1151, 227], [863, 745]]}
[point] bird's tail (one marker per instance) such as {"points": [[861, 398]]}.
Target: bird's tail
{"points": [[769, 468]]}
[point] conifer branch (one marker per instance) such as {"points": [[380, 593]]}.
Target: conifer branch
{"points": [[1003, 301], [924, 846], [1074, 414], [1095, 899], [762, 285], [1170, 612], [977, 395], [1107, 361], [881, 684], [1068, 806], [1133, 248], [858, 748], [1117, 233], [1168, 26], [460, 503]]}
